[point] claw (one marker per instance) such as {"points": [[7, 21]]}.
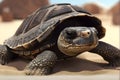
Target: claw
{"points": [[30, 70], [4, 56], [37, 71], [27, 72], [115, 63], [3, 60]]}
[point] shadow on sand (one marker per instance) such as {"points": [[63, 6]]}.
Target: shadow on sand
{"points": [[70, 65]]}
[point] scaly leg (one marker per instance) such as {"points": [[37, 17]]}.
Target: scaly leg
{"points": [[42, 64], [108, 52], [5, 55]]}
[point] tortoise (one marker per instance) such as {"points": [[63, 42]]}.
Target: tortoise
{"points": [[54, 33]]}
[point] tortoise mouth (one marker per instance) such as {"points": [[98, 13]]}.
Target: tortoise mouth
{"points": [[74, 49]]}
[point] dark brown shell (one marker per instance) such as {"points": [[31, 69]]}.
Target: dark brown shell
{"points": [[39, 25]]}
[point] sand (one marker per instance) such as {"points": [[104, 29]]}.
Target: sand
{"points": [[85, 66]]}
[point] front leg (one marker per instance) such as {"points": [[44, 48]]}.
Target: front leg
{"points": [[42, 64], [5, 55], [108, 52]]}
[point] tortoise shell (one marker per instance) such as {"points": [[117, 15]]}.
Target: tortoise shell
{"points": [[41, 23]]}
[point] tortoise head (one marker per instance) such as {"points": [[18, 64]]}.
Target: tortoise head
{"points": [[75, 40]]}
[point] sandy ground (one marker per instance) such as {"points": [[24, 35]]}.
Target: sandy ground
{"points": [[86, 64]]}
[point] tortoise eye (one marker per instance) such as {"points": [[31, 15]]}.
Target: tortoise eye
{"points": [[71, 34]]}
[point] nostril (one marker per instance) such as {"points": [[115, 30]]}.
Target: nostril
{"points": [[85, 34], [71, 33], [88, 32]]}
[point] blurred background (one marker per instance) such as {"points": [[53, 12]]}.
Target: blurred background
{"points": [[19, 9]]}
